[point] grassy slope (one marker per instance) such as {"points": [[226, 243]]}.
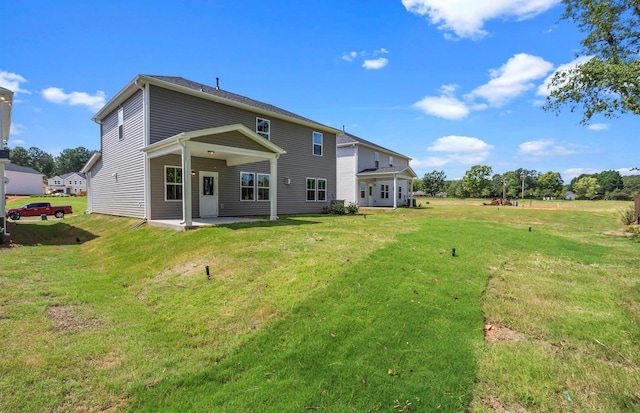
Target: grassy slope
{"points": [[312, 312]]}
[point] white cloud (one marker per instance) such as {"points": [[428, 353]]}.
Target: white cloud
{"points": [[629, 171], [349, 57], [16, 142], [512, 79], [444, 106], [571, 173], [15, 128], [380, 51], [543, 89], [375, 64], [12, 82], [458, 149], [57, 95], [466, 18], [546, 147], [598, 126]]}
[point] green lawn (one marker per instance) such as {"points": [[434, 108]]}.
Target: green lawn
{"points": [[326, 313]]}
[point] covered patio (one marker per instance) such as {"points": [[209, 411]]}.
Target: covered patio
{"points": [[371, 178], [234, 144]]}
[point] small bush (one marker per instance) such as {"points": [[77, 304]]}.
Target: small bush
{"points": [[627, 216], [352, 208], [338, 208]]}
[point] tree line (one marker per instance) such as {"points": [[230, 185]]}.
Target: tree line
{"points": [[69, 160], [481, 182]]}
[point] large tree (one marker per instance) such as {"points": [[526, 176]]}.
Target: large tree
{"points": [[550, 184], [433, 182], [586, 187], [72, 160], [607, 81], [477, 181], [41, 161], [20, 156]]}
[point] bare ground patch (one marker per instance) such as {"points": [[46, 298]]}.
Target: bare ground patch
{"points": [[495, 332], [66, 318]]}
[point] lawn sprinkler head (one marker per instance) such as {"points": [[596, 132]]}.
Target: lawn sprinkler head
{"points": [[206, 269], [453, 252]]}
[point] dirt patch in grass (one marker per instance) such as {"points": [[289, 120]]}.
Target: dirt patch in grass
{"points": [[66, 318], [495, 333]]}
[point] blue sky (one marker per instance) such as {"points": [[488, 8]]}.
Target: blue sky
{"points": [[450, 83]]}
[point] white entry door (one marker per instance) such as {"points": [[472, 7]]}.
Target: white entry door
{"points": [[208, 194]]}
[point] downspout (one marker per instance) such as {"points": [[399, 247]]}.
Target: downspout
{"points": [[147, 140]]}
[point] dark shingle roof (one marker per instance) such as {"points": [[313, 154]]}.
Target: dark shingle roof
{"points": [[347, 138], [180, 81], [17, 168], [65, 176], [384, 170]]}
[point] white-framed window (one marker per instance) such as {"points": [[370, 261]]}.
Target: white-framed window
{"points": [[311, 189], [363, 189], [121, 123], [172, 183], [263, 183], [384, 191], [316, 189], [376, 159], [247, 186], [322, 189], [317, 143], [263, 128], [390, 160]]}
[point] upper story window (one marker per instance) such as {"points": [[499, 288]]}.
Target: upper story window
{"points": [[172, 183], [376, 159], [390, 160], [317, 143], [263, 128], [121, 123]]}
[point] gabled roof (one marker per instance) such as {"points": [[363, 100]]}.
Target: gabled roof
{"points": [[23, 169], [206, 92], [65, 176], [346, 139]]}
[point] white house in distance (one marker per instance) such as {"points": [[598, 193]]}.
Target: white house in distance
{"points": [[22, 180], [370, 175], [71, 183]]}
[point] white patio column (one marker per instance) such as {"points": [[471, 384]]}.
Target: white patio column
{"points": [[2, 199], [187, 218], [395, 191], [273, 188]]}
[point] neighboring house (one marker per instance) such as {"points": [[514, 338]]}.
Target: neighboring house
{"points": [[372, 176], [71, 183], [238, 156], [22, 180]]}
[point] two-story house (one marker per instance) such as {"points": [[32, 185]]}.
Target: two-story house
{"points": [[71, 183], [171, 148], [372, 176], [23, 180]]}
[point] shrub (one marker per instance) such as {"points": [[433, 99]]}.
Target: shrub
{"points": [[627, 216], [338, 208], [352, 208]]}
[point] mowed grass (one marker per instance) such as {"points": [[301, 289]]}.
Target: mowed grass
{"points": [[325, 313]]}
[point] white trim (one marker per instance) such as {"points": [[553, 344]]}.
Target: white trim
{"points": [[268, 137], [164, 179], [313, 141], [258, 187], [255, 195]]}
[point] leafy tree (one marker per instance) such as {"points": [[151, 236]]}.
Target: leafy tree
{"points": [[476, 181], [607, 83], [41, 161], [586, 187], [609, 181], [631, 185], [19, 156], [549, 184], [433, 182], [72, 160], [456, 190]]}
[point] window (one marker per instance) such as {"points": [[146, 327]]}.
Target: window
{"points": [[363, 188], [121, 123], [384, 191], [263, 187], [376, 159], [317, 143], [172, 183], [322, 189], [399, 192], [391, 161], [311, 189], [263, 128], [316, 189], [247, 183]]}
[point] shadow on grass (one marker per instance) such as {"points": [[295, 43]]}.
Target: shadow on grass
{"points": [[282, 221], [31, 233]]}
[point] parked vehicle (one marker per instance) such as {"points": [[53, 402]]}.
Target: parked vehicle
{"points": [[38, 208]]}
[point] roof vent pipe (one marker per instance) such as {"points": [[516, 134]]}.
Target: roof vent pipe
{"points": [[217, 83]]}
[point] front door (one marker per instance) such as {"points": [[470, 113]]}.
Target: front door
{"points": [[370, 196], [208, 194]]}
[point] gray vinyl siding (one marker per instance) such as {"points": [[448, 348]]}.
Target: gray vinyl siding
{"points": [[117, 183], [172, 113]]}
